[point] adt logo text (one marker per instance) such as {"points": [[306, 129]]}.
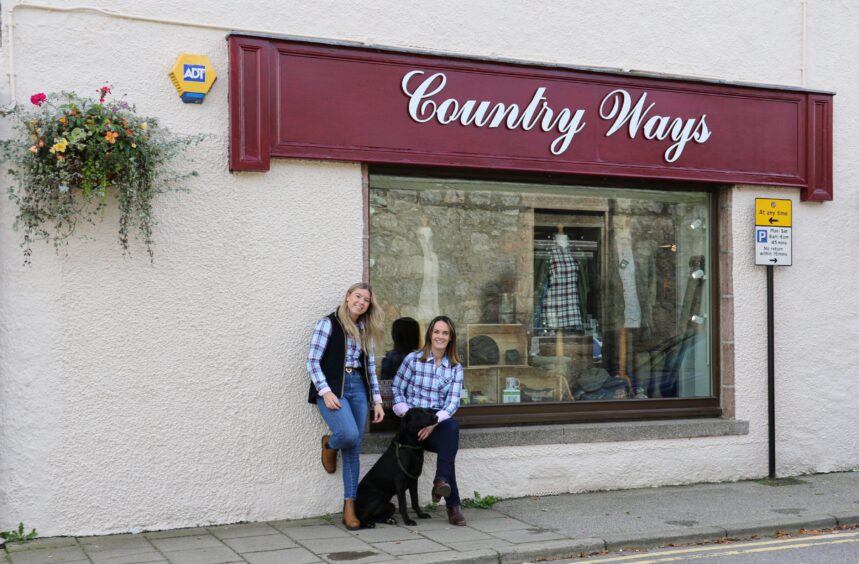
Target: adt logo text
{"points": [[194, 73], [762, 235]]}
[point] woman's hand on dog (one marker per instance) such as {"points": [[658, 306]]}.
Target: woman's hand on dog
{"points": [[331, 401], [424, 433], [378, 413]]}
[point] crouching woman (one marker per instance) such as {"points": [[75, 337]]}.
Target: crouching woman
{"points": [[432, 377]]}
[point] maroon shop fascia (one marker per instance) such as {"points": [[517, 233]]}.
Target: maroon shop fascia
{"points": [[302, 99]]}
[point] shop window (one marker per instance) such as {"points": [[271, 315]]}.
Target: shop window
{"points": [[568, 299]]}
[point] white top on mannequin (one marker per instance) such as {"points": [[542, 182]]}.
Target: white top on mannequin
{"points": [[562, 240], [428, 299]]}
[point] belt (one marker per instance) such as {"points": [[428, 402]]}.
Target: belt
{"points": [[351, 369]]}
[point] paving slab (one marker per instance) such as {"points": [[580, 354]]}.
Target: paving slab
{"points": [[314, 532], [124, 557], [499, 524], [359, 556], [530, 535], [243, 530], [484, 556], [327, 546], [243, 545], [311, 521], [38, 544], [384, 533], [187, 543], [414, 546], [456, 534], [291, 555], [170, 533], [115, 542], [465, 546], [209, 555], [429, 525], [49, 555]]}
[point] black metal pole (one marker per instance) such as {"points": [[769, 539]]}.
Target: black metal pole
{"points": [[771, 368]]}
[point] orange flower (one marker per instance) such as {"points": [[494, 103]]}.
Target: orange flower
{"points": [[63, 120], [34, 149], [111, 136]]}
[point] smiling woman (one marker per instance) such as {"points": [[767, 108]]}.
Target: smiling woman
{"points": [[343, 379], [432, 378]]}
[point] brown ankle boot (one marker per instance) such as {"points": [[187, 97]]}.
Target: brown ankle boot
{"points": [[455, 516], [349, 518], [329, 456]]}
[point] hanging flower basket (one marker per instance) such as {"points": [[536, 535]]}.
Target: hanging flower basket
{"points": [[71, 153]]}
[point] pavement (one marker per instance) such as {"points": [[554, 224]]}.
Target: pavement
{"points": [[514, 530]]}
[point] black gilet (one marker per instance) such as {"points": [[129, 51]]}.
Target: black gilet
{"points": [[333, 362]]}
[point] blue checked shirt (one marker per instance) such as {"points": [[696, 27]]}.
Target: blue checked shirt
{"points": [[321, 334], [420, 384]]}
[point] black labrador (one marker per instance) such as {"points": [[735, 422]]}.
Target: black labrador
{"points": [[396, 471]]}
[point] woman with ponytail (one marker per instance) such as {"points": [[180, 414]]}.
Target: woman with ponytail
{"points": [[343, 384]]}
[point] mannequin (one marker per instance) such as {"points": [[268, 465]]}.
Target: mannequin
{"points": [[428, 301], [632, 307], [563, 241], [561, 308]]}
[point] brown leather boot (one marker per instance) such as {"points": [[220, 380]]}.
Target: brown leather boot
{"points": [[440, 489], [329, 456], [349, 518], [455, 516]]}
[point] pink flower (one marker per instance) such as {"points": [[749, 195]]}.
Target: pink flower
{"points": [[38, 99], [103, 91]]}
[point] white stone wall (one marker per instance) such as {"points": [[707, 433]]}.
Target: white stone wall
{"points": [[167, 395]]}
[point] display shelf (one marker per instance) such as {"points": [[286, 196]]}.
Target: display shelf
{"points": [[510, 345]]}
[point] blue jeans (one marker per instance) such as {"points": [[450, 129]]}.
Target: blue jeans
{"points": [[347, 428], [444, 441]]}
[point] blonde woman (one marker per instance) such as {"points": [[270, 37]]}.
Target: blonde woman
{"points": [[343, 383]]}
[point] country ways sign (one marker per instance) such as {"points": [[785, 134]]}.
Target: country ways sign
{"points": [[321, 101]]}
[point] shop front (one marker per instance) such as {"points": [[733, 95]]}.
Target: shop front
{"points": [[589, 230], [567, 220]]}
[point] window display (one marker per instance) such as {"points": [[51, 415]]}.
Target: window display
{"points": [[567, 293]]}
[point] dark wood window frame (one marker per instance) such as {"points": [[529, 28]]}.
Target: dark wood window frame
{"points": [[505, 415]]}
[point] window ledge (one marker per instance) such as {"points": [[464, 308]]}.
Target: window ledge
{"points": [[576, 433]]}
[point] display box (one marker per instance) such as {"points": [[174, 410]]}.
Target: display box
{"points": [[497, 345], [482, 385], [534, 384]]}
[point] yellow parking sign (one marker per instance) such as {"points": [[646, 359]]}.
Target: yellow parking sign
{"points": [[773, 213]]}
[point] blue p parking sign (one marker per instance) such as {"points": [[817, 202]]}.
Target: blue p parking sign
{"points": [[762, 236]]}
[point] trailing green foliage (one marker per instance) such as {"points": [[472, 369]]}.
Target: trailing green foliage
{"points": [[70, 153], [480, 502], [19, 535]]}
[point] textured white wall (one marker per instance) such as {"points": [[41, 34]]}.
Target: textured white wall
{"points": [[167, 395]]}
